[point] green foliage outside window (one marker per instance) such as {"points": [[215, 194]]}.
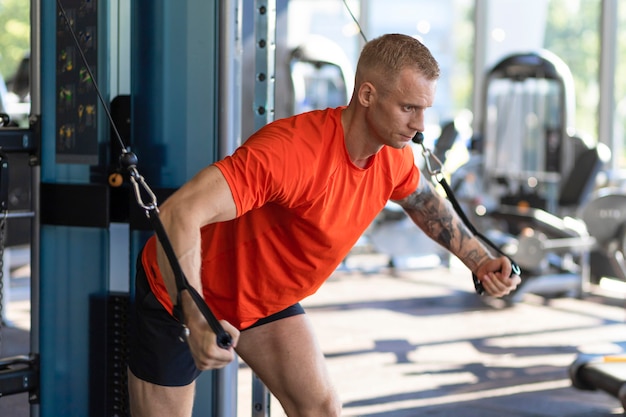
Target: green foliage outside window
{"points": [[14, 34], [573, 34]]}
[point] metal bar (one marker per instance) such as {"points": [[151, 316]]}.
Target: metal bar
{"points": [[364, 20], [265, 65], [15, 360], [35, 276], [35, 57], [226, 389], [265, 61], [542, 176], [260, 398], [16, 139], [480, 57], [19, 214], [229, 138], [17, 375], [35, 112], [608, 52], [229, 85], [569, 243]]}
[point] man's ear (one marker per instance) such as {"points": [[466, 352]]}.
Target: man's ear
{"points": [[366, 93]]}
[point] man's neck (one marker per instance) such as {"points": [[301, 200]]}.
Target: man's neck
{"points": [[356, 138]]}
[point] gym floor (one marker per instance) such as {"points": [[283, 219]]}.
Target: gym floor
{"points": [[421, 343]]}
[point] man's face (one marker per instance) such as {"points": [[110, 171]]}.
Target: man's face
{"points": [[397, 114]]}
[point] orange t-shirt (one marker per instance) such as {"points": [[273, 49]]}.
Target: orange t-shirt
{"points": [[301, 206]]}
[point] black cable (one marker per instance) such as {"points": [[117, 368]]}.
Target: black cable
{"points": [[356, 21], [93, 79], [478, 286], [224, 340]]}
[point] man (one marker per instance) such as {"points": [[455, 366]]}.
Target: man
{"points": [[262, 229]]}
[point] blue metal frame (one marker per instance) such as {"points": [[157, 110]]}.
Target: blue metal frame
{"points": [[74, 261], [174, 88], [175, 107], [174, 132]]}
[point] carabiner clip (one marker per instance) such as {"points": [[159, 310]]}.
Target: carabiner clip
{"points": [[128, 161], [140, 184], [437, 173]]}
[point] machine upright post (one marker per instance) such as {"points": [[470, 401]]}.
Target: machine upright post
{"points": [[35, 243], [229, 137], [265, 66], [265, 61], [229, 86]]}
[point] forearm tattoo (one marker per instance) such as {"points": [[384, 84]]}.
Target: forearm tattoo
{"points": [[435, 216]]}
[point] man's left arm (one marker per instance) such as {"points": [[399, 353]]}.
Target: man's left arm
{"points": [[437, 218]]}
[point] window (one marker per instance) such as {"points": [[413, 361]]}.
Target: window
{"points": [[14, 60], [619, 151]]}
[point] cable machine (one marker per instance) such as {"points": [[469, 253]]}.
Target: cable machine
{"points": [[17, 373], [77, 362]]}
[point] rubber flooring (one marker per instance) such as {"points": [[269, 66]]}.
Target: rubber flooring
{"points": [[420, 342]]}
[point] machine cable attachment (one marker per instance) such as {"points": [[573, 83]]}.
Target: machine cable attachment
{"points": [[128, 161], [437, 174]]}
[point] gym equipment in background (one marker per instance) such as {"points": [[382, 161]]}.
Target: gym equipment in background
{"points": [[605, 217], [604, 373], [321, 75], [534, 172]]}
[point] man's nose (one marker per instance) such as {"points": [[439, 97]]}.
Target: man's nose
{"points": [[417, 121]]}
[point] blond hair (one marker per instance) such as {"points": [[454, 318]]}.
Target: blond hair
{"points": [[384, 57]]}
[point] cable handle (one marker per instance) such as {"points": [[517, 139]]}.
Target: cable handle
{"points": [[223, 338], [478, 286], [438, 175]]}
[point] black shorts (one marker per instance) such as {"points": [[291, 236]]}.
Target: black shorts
{"points": [[157, 354]]}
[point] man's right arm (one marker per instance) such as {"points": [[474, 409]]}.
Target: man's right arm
{"points": [[205, 199]]}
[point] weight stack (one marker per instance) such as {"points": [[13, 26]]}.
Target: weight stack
{"points": [[108, 355]]}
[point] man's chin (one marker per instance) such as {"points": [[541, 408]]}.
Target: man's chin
{"points": [[400, 145]]}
